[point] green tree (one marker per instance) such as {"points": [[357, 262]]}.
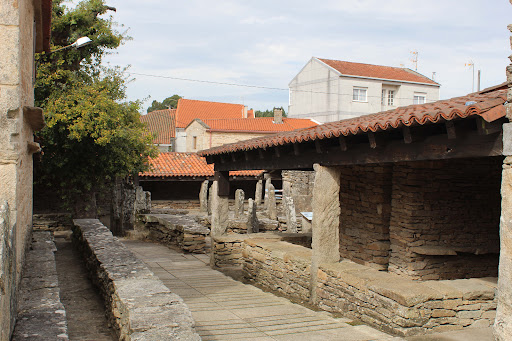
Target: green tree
{"points": [[268, 113], [92, 133], [168, 103]]}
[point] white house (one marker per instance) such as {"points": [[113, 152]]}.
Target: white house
{"points": [[332, 90]]}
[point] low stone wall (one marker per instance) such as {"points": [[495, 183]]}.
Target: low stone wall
{"points": [[278, 266], [176, 204], [41, 315], [182, 231], [394, 303], [227, 250], [52, 222], [404, 306], [139, 305]]}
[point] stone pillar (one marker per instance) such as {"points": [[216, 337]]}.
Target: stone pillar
{"points": [[326, 221], [239, 202], [210, 200], [268, 182], [257, 195], [272, 206], [203, 197], [252, 219], [291, 215], [503, 321], [219, 212]]}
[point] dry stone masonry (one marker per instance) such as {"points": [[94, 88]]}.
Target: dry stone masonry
{"points": [[41, 315], [139, 305], [180, 230], [299, 185]]}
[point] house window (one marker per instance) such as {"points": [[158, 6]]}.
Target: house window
{"points": [[383, 97], [419, 98], [359, 94], [194, 139], [391, 97]]}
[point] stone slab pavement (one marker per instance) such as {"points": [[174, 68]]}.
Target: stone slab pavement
{"points": [[225, 309]]}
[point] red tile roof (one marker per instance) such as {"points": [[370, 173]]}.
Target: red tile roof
{"points": [[487, 103], [377, 71], [258, 125], [250, 113], [189, 109], [171, 165], [161, 123]]}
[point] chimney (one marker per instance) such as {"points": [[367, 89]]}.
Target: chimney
{"points": [[245, 112], [278, 116]]}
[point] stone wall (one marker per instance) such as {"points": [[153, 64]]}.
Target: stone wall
{"points": [[41, 314], [182, 231], [445, 218], [278, 266], [403, 306], [227, 251], [139, 305], [16, 146], [299, 185], [365, 202]]}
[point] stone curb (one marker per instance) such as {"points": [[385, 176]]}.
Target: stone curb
{"points": [[41, 315], [139, 306]]}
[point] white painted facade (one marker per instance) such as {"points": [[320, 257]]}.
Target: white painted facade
{"points": [[322, 93], [181, 140]]}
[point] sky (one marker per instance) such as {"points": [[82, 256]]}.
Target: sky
{"points": [[266, 43]]}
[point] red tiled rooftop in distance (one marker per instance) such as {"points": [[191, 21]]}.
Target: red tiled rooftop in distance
{"points": [[186, 165], [488, 104], [377, 71], [160, 123], [259, 124], [189, 109]]}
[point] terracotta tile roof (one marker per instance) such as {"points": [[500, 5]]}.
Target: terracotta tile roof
{"points": [[161, 123], [186, 165], [189, 109], [487, 103], [250, 113], [259, 124], [377, 71]]}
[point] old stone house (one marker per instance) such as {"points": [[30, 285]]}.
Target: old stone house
{"points": [[406, 213], [162, 124], [24, 30], [208, 133], [189, 110], [330, 90]]}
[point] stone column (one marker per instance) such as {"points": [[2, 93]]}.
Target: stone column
{"points": [[503, 321], [257, 195], [203, 197], [326, 221], [210, 200], [252, 218], [268, 182], [239, 202], [272, 206], [291, 215], [219, 212]]}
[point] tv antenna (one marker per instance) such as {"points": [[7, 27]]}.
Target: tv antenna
{"points": [[471, 64], [414, 59]]}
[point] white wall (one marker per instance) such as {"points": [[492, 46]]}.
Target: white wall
{"points": [[181, 140], [318, 92]]}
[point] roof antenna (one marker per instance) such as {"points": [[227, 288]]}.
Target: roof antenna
{"points": [[414, 59], [434, 76]]}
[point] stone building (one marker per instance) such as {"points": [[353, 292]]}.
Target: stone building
{"points": [[406, 212], [24, 30], [208, 133], [329, 90]]}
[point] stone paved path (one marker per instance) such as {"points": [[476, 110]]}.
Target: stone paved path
{"points": [[225, 309]]}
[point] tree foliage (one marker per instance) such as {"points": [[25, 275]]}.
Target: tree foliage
{"points": [[92, 133], [268, 113], [168, 103]]}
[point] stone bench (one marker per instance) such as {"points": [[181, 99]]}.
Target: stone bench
{"points": [[41, 315], [139, 306], [180, 230]]}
